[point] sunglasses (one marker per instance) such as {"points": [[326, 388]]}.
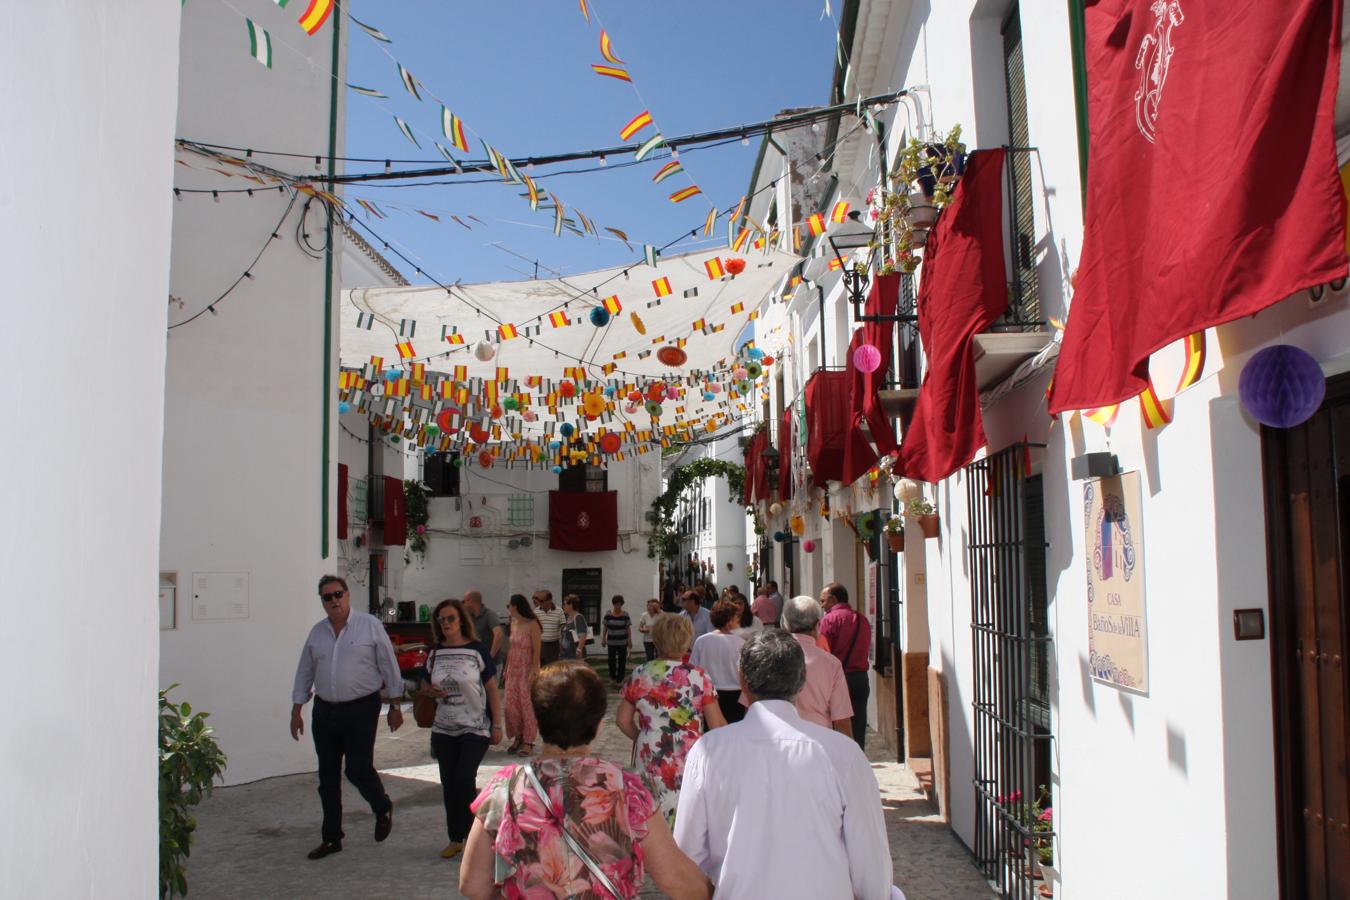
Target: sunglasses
{"points": [[448, 620], [332, 595]]}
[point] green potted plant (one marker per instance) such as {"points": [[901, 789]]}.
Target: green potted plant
{"points": [[926, 514], [895, 533], [907, 204], [190, 760]]}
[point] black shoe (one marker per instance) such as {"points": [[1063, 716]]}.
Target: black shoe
{"points": [[325, 849], [384, 823]]}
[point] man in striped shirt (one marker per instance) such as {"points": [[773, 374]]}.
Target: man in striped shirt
{"points": [[551, 620]]}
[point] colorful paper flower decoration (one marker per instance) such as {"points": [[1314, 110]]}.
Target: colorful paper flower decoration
{"points": [[866, 358]]}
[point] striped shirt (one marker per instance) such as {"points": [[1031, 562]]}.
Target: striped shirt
{"points": [[617, 629], [550, 624]]}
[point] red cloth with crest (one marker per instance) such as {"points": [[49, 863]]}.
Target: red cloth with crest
{"points": [[583, 521]]}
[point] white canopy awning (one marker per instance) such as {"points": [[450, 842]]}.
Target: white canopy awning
{"points": [[684, 303]]}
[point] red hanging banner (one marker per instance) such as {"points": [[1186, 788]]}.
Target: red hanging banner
{"points": [[395, 520], [1213, 190], [583, 521]]}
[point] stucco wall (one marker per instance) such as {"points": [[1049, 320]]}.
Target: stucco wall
{"points": [[244, 465], [85, 197]]}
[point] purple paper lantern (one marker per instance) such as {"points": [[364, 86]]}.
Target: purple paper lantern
{"points": [[867, 358], [1282, 386]]}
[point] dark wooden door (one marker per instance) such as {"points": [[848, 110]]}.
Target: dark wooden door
{"points": [[1308, 519]]}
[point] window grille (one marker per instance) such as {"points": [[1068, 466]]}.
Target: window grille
{"points": [[520, 510], [1024, 305], [1011, 650]]}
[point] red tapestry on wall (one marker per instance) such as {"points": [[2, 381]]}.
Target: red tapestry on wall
{"points": [[342, 502], [829, 417], [582, 522], [395, 518]]}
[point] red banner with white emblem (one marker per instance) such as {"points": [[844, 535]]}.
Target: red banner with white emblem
{"points": [[1212, 186], [583, 521]]}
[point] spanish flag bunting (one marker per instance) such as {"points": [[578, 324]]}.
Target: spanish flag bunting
{"points": [[432, 216], [1195, 361], [612, 305], [682, 195], [737, 308], [315, 15], [446, 154], [506, 331], [558, 319], [607, 48], [424, 391], [623, 236], [840, 211], [638, 324], [584, 10], [647, 147], [1104, 416], [836, 263], [636, 124], [796, 238], [376, 33], [699, 324], [533, 381], [739, 244], [712, 220], [405, 350], [612, 72], [447, 389], [608, 367], [454, 339], [418, 373], [1154, 411], [714, 268], [407, 132], [586, 223], [655, 340], [816, 224], [794, 281], [377, 363], [453, 126], [740, 208], [503, 374], [661, 286], [531, 191], [557, 214], [667, 170], [622, 354], [759, 242]]}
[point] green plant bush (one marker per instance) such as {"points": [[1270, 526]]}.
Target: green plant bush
{"points": [[664, 543], [189, 762]]}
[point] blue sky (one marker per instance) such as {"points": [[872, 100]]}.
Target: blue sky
{"points": [[518, 72]]}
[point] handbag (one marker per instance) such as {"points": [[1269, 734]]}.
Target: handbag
{"points": [[424, 705], [587, 860]]}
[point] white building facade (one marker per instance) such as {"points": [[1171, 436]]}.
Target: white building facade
{"points": [[1215, 779]]}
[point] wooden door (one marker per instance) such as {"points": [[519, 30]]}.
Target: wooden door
{"points": [[1308, 525]]}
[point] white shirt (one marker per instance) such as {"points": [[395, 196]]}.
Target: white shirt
{"points": [[744, 781], [550, 623], [719, 655], [347, 666]]}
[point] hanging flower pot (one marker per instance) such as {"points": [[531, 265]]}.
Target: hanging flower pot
{"points": [[896, 541], [929, 525], [921, 213]]}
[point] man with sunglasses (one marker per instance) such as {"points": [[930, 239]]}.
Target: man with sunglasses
{"points": [[348, 662]]}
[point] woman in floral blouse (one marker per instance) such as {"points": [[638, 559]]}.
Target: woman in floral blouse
{"points": [[517, 848], [667, 704]]}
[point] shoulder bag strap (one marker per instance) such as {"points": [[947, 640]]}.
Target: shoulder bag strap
{"points": [[572, 842]]}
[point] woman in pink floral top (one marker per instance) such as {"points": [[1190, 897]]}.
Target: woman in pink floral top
{"points": [[516, 848], [666, 705]]}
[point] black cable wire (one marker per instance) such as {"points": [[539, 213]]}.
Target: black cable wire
{"points": [[732, 133], [247, 273]]}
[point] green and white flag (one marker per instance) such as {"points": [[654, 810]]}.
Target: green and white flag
{"points": [[376, 33], [259, 44], [409, 81], [369, 92], [651, 144], [281, 3], [407, 132], [649, 253]]}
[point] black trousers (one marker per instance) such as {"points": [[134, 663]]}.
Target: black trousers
{"points": [[549, 652], [859, 688], [347, 730], [618, 661], [650, 649], [458, 757], [730, 704]]}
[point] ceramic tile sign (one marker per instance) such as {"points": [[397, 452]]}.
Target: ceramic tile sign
{"points": [[1117, 624]]}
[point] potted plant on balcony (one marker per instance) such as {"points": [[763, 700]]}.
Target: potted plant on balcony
{"points": [[895, 533], [906, 206], [926, 514]]}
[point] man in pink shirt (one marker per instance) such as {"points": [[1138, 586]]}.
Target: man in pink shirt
{"points": [[850, 636], [763, 607], [824, 697]]}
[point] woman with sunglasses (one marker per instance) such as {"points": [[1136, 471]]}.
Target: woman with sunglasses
{"points": [[459, 673]]}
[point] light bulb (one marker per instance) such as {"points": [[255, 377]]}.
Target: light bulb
{"points": [[602, 160]]}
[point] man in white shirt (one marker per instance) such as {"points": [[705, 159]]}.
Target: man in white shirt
{"points": [[551, 621], [743, 781]]}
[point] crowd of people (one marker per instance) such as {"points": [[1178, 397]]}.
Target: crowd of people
{"points": [[742, 716]]}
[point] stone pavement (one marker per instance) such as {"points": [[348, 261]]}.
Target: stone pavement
{"points": [[252, 839]]}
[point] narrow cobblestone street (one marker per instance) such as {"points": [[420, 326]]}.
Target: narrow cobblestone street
{"points": [[252, 839]]}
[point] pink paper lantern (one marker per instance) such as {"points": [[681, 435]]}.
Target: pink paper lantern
{"points": [[809, 545], [867, 358]]}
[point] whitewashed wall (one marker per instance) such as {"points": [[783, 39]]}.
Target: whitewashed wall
{"points": [[84, 220], [244, 464], [460, 557]]}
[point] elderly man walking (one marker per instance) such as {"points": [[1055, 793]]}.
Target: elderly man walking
{"points": [[773, 767], [850, 636], [698, 615], [824, 697], [347, 661], [551, 620]]}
